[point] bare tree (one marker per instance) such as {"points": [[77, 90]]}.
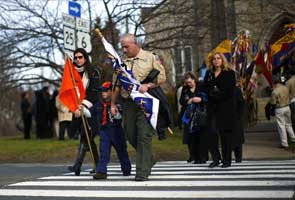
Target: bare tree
{"points": [[33, 33]]}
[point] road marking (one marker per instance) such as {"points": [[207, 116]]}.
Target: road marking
{"points": [[149, 194], [181, 183]]}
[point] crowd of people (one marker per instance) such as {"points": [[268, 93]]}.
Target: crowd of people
{"points": [[210, 111]]}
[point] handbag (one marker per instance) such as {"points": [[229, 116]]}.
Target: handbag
{"points": [[199, 118]]}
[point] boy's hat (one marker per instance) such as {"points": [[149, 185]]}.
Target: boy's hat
{"points": [[106, 86]]}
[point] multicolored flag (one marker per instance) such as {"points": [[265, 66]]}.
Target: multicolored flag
{"points": [[72, 90], [148, 103], [224, 47], [282, 51], [262, 68]]}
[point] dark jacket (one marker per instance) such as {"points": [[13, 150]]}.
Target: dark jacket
{"points": [[186, 94], [221, 98], [238, 133]]}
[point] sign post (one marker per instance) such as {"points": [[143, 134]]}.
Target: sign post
{"points": [[76, 30]]}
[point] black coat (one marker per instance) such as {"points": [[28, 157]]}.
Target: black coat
{"points": [[187, 94], [221, 98], [238, 133]]}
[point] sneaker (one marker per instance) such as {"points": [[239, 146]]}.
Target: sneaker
{"points": [[141, 178], [99, 176]]}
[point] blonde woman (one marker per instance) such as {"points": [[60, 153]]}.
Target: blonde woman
{"points": [[219, 83]]}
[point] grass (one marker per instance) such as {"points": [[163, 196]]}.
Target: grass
{"points": [[15, 149]]}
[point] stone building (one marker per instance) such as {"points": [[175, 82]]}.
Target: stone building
{"points": [[183, 32]]}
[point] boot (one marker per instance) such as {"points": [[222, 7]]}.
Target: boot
{"points": [[79, 160]]}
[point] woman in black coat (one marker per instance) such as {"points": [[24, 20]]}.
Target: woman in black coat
{"points": [[91, 80], [193, 138], [220, 85]]}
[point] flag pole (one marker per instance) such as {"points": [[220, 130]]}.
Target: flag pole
{"points": [[101, 36], [84, 121]]}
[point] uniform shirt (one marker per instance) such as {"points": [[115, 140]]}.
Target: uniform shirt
{"points": [[141, 65], [280, 96], [291, 87]]}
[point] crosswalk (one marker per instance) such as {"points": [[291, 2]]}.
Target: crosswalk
{"points": [[170, 180]]}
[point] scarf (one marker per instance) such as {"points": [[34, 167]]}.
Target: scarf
{"points": [[85, 78], [104, 112]]}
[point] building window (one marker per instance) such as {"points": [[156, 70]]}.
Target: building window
{"points": [[188, 59], [178, 61]]}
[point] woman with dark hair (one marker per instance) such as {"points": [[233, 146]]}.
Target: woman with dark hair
{"points": [[193, 138], [91, 80], [219, 82]]}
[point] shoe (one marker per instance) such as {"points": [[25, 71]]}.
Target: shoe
{"points": [[141, 178], [225, 165], [283, 147], [214, 164], [72, 169], [189, 160], [92, 171], [99, 176], [238, 161]]}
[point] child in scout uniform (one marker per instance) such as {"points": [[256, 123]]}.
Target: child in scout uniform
{"points": [[111, 134]]}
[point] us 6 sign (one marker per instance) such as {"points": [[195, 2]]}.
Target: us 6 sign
{"points": [[84, 41]]}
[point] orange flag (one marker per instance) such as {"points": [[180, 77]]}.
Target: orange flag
{"points": [[67, 94]]}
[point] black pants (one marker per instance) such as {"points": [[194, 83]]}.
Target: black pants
{"points": [[213, 145], [27, 120], [75, 128], [238, 151], [63, 126], [226, 145]]}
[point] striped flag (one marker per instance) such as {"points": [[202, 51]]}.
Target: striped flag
{"points": [[148, 103]]}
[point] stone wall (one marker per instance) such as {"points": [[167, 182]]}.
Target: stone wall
{"points": [[261, 17]]}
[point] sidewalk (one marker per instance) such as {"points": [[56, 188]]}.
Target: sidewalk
{"points": [[262, 141]]}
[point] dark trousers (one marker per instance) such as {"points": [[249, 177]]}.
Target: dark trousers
{"points": [[238, 151], [63, 126], [27, 126], [197, 145], [226, 146], [75, 128], [113, 136], [213, 145]]}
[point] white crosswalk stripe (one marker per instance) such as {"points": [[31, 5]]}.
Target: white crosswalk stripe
{"points": [[171, 180]]}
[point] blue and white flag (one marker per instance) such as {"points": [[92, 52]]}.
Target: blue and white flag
{"points": [[148, 103]]}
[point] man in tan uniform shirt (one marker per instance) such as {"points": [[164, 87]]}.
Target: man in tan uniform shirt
{"points": [[138, 131], [280, 98]]}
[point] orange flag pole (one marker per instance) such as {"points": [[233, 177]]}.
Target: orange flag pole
{"points": [[84, 121]]}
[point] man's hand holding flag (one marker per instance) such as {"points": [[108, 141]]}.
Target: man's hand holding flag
{"points": [[148, 103]]}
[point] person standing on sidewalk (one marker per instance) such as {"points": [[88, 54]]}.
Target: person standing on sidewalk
{"points": [[280, 99], [291, 87], [138, 131], [64, 118], [26, 110]]}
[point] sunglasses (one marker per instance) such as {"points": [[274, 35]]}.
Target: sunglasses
{"points": [[78, 57]]}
